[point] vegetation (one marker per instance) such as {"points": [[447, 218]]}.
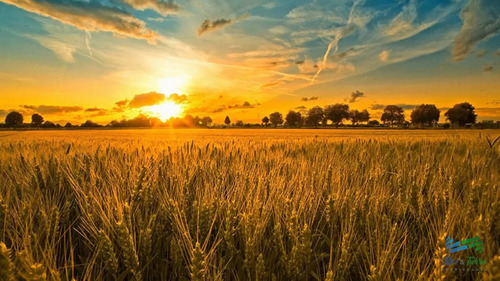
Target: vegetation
{"points": [[423, 115], [106, 206]]}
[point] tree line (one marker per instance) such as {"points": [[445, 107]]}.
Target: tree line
{"points": [[461, 114]]}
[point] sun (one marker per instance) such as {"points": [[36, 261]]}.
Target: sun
{"points": [[165, 110], [175, 84]]}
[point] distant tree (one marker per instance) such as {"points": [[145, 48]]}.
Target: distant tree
{"points": [[393, 114], [314, 116], [48, 124], [89, 124], [14, 119], [425, 114], [197, 121], [206, 121], [239, 123], [276, 119], [189, 121], [36, 120], [68, 125], [337, 113], [461, 114], [364, 116], [227, 121], [265, 120], [293, 118], [373, 123]]}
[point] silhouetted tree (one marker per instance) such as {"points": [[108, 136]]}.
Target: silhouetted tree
{"points": [[276, 119], [206, 121], [461, 114], [314, 116], [48, 124], [293, 118], [337, 113], [239, 123], [89, 124], [393, 114], [359, 116], [265, 120], [14, 119], [68, 125], [227, 121], [425, 114], [373, 123], [36, 120]]}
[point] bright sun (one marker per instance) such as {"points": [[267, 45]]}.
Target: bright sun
{"points": [[165, 110], [168, 86]]}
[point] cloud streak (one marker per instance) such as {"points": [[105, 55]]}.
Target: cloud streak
{"points": [[52, 109], [91, 16], [208, 25], [162, 7], [481, 20]]}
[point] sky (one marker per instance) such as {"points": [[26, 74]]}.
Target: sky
{"points": [[104, 60]]}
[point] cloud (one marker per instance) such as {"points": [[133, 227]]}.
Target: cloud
{"points": [[269, 5], [302, 109], [487, 68], [236, 106], [122, 103], [146, 99], [488, 112], [61, 49], [481, 20], [403, 22], [52, 109], [208, 25], [176, 98], [383, 56], [355, 96], [278, 30], [495, 102], [91, 16], [497, 53], [405, 106], [162, 7], [95, 111], [481, 53], [309, 99]]}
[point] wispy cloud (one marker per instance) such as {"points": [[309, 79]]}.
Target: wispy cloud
{"points": [[91, 16], [52, 109], [162, 7], [208, 25], [383, 56], [487, 68], [309, 99], [481, 20]]}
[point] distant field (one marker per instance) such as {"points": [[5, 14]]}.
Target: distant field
{"points": [[194, 204]]}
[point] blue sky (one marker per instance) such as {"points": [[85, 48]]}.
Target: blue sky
{"points": [[247, 58]]}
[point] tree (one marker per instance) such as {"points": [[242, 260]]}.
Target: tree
{"points": [[206, 121], [337, 113], [393, 114], [14, 119], [314, 116], [276, 119], [359, 116], [373, 123], [265, 120], [239, 123], [68, 125], [227, 121], [425, 114], [89, 124], [461, 114], [36, 120], [293, 118], [48, 124]]}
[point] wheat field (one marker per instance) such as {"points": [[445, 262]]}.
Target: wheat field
{"points": [[246, 204]]}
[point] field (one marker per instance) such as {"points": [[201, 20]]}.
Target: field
{"points": [[247, 204]]}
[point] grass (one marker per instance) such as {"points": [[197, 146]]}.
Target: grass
{"points": [[245, 205]]}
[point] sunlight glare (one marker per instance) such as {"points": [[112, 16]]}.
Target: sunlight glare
{"points": [[175, 84], [165, 110]]}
